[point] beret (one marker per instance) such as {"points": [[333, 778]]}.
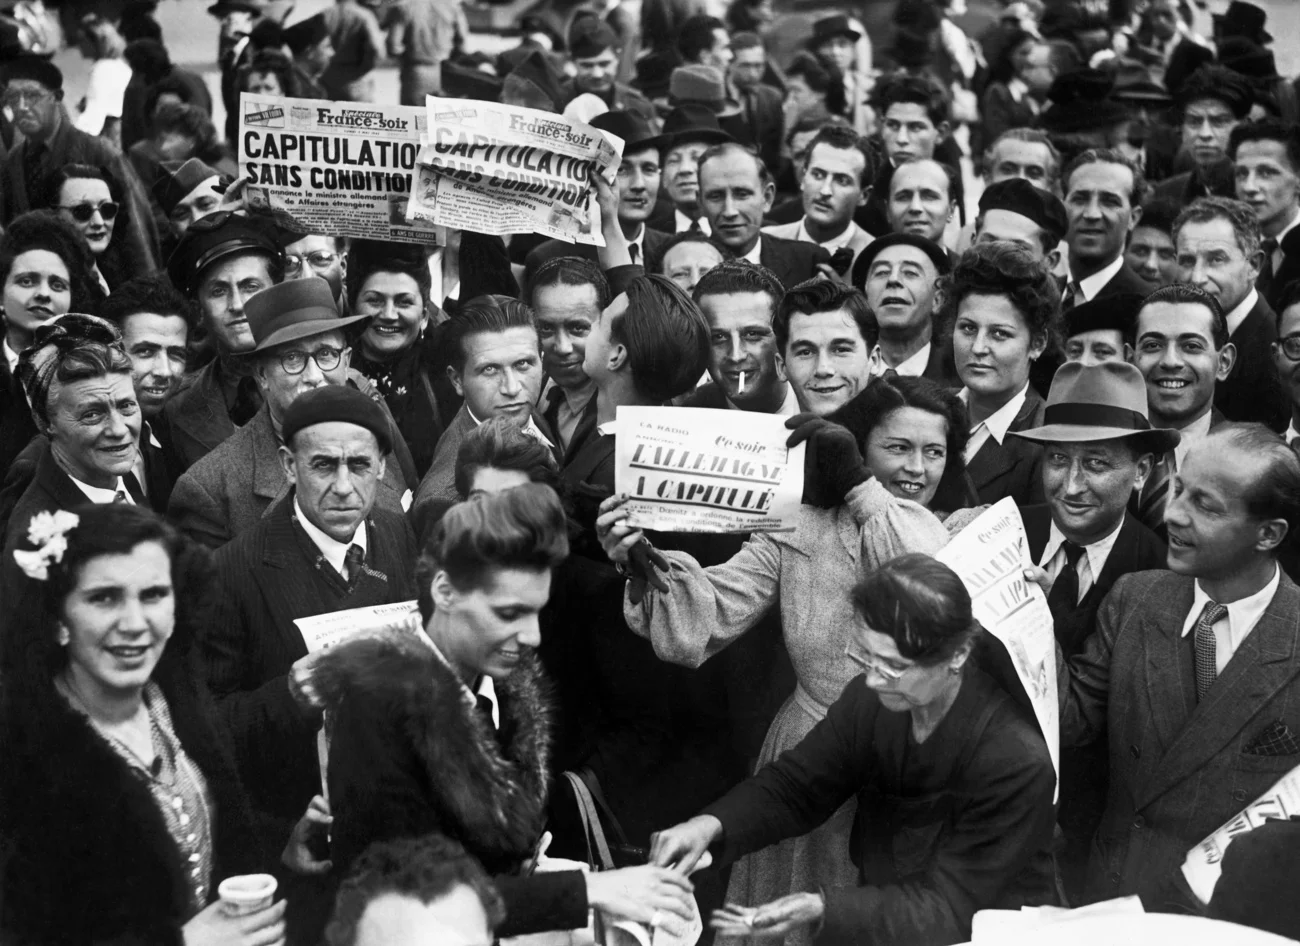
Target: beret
{"points": [[33, 67], [337, 403], [938, 255], [591, 36], [1114, 313], [1019, 196]]}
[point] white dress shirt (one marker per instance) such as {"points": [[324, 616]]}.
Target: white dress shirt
{"points": [[1193, 434], [572, 405], [913, 367], [1089, 286], [1238, 315], [684, 223], [755, 255], [996, 424], [485, 687], [101, 496], [530, 428], [1091, 562], [11, 357], [1243, 615], [789, 407], [335, 552], [835, 243], [1291, 432]]}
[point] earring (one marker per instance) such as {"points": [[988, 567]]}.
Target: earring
{"points": [[64, 636]]}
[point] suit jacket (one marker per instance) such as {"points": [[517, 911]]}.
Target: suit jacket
{"points": [[1014, 467], [1286, 274], [16, 425], [1000, 112], [196, 416], [764, 120], [1253, 391], [1179, 768], [230, 490], [1126, 280], [1184, 188], [652, 244], [790, 231], [792, 261], [267, 577]]}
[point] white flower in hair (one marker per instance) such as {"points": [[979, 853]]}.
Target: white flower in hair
{"points": [[48, 531]]}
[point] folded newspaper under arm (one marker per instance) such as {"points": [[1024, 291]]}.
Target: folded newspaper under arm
{"points": [[323, 631], [1204, 863]]}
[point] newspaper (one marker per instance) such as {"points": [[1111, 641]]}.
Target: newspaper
{"points": [[1204, 862], [707, 470], [506, 169], [341, 168], [323, 631], [990, 556]]}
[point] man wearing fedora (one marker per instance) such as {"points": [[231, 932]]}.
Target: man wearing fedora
{"points": [[596, 52], [1098, 449], [638, 179], [300, 347], [689, 131], [1243, 20], [327, 544], [834, 42], [185, 192], [1266, 164]]}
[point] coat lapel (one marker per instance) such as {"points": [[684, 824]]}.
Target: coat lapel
{"points": [[268, 476], [1263, 664], [1169, 684]]}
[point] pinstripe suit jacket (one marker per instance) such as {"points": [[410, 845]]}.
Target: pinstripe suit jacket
{"points": [[1178, 768]]}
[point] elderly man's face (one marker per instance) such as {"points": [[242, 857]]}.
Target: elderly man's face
{"points": [[335, 469], [316, 255], [1210, 257], [900, 288], [35, 107], [94, 427], [1088, 485], [281, 386]]}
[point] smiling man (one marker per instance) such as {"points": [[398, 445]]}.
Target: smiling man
{"points": [[900, 275], [1266, 161], [1103, 203], [1218, 250], [1098, 448], [825, 333], [327, 544]]}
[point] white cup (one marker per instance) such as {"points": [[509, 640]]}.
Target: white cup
{"points": [[246, 893]]}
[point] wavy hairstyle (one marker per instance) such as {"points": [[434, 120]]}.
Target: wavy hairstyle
{"points": [[921, 604], [46, 230], [1007, 270], [501, 444]]}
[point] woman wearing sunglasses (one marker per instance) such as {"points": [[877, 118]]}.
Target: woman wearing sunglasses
{"points": [[953, 780], [91, 199]]}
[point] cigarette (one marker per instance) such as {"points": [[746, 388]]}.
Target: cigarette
{"points": [[741, 390]]}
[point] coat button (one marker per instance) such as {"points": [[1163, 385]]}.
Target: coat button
{"points": [[1139, 822], [1115, 878], [1137, 753], [1239, 795]]}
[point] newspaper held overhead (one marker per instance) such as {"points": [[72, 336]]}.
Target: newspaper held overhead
{"points": [[990, 556], [341, 168], [1204, 863], [506, 169], [711, 471]]}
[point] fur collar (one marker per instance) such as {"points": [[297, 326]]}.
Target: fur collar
{"points": [[494, 793]]}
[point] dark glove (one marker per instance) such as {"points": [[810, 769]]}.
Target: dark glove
{"points": [[833, 464], [842, 259], [644, 563]]}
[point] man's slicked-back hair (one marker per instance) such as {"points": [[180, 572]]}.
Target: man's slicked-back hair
{"points": [[814, 296], [1033, 136], [900, 88], [734, 147], [153, 294], [1286, 134], [846, 138], [501, 444], [1108, 156], [1238, 213], [1276, 493], [425, 869], [571, 271], [482, 315], [740, 275], [666, 336], [1181, 293], [695, 36]]}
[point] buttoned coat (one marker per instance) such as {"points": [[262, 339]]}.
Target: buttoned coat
{"points": [[1179, 768], [790, 231], [232, 488], [1014, 467]]}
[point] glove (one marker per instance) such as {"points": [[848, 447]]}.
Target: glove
{"points": [[644, 563], [833, 464]]}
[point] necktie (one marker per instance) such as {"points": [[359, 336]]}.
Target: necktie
{"points": [[1206, 669], [1064, 596], [1265, 280], [352, 562], [632, 251], [694, 227], [1072, 296], [1151, 505]]}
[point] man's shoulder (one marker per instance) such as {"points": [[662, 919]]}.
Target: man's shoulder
{"points": [[1173, 187], [706, 395], [783, 231], [229, 460], [1154, 590]]}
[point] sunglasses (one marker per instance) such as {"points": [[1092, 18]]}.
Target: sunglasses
{"points": [[83, 212]]}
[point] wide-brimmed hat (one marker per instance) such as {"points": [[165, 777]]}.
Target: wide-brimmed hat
{"points": [[1243, 19], [1248, 58], [294, 309], [1133, 83], [704, 85], [222, 7], [693, 122], [1100, 402], [1081, 102], [828, 27], [637, 133], [175, 181]]}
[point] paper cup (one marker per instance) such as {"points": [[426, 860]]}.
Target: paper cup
{"points": [[247, 893]]}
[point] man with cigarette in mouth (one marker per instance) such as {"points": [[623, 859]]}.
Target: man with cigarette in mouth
{"points": [[739, 301]]}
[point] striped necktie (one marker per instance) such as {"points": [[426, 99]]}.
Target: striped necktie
{"points": [[353, 559], [1151, 505]]}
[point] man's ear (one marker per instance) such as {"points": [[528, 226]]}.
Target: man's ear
{"points": [[285, 456], [454, 376], [943, 128], [780, 368], [1271, 534], [1052, 259], [442, 591], [1227, 358], [259, 374], [1145, 464], [618, 358], [769, 196], [1134, 216], [865, 195]]}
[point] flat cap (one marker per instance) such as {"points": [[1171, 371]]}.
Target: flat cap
{"points": [[1117, 313], [215, 237], [336, 403], [1019, 196], [33, 67], [590, 36], [175, 181]]}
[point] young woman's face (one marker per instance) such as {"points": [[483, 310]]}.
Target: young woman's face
{"points": [[396, 309], [491, 629], [263, 83], [993, 346], [36, 290], [907, 452], [82, 202], [119, 617]]}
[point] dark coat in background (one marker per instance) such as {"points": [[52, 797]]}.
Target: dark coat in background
{"points": [[1253, 391], [764, 119], [652, 243], [1014, 467], [792, 261], [196, 416], [17, 427]]}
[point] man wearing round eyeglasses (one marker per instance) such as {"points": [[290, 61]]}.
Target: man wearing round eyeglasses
{"points": [[301, 346], [1286, 354], [318, 255]]}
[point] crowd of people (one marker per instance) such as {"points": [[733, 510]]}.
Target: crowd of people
{"points": [[217, 425]]}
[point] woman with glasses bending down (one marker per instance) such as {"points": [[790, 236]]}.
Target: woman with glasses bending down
{"points": [[91, 199], [953, 780]]}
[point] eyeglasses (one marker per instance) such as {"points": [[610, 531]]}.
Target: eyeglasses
{"points": [[83, 212], [293, 265], [871, 663], [1290, 346], [326, 358], [18, 97]]}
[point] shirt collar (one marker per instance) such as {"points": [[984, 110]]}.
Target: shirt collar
{"points": [[913, 367], [1018, 89], [11, 356], [485, 688], [101, 496], [789, 405], [1000, 420], [683, 222], [1295, 219], [1291, 432], [1238, 315], [530, 428], [335, 552], [1091, 285], [1192, 434], [1097, 552], [755, 255], [833, 244], [1243, 614], [639, 242]]}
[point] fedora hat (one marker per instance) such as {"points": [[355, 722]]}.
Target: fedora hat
{"points": [[1099, 402], [705, 85], [1243, 19], [1081, 102], [693, 122], [637, 133], [294, 309], [828, 27]]}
